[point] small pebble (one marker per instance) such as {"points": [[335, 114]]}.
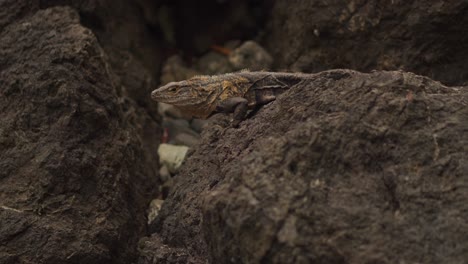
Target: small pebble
{"points": [[172, 156], [164, 173], [176, 124], [175, 127], [186, 139], [198, 124], [154, 208], [175, 70], [252, 56], [166, 188], [214, 63], [169, 110]]}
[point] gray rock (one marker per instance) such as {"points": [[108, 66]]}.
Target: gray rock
{"points": [[176, 124], [164, 173], [252, 56], [186, 139], [214, 63], [175, 70], [198, 124], [176, 127], [169, 110], [172, 156], [153, 209]]}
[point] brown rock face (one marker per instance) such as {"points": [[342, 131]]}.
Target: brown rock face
{"points": [[74, 177], [343, 168], [427, 37]]}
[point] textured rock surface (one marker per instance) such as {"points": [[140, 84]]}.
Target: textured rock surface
{"points": [[426, 37], [75, 180], [133, 53], [343, 168]]}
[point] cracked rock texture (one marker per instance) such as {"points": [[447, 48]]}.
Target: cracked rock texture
{"points": [[75, 179], [345, 167]]}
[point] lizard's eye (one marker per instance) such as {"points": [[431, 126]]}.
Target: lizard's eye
{"points": [[173, 89]]}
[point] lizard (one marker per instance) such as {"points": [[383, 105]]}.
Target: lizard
{"points": [[237, 93]]}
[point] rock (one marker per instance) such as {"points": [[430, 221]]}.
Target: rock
{"points": [[75, 177], [164, 174], [172, 156], [176, 126], [312, 36], [166, 188], [155, 251], [198, 124], [180, 132], [250, 55], [213, 63], [175, 70], [154, 208], [346, 167], [170, 111], [186, 139]]}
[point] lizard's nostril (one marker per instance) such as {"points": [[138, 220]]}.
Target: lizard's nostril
{"points": [[154, 94]]}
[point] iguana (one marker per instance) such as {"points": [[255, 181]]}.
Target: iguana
{"points": [[202, 96]]}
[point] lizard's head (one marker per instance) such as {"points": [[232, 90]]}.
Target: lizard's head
{"points": [[184, 93], [195, 95]]}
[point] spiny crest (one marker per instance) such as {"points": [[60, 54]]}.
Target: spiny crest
{"points": [[228, 74]]}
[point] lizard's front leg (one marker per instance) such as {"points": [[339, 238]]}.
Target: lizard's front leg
{"points": [[236, 105]]}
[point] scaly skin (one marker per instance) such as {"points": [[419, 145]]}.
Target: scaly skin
{"points": [[202, 96]]}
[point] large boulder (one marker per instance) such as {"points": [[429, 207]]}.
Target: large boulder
{"points": [[421, 36], [344, 167], [75, 176]]}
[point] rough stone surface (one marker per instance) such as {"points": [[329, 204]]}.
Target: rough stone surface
{"points": [[343, 168], [427, 37], [133, 52], [122, 28], [75, 180]]}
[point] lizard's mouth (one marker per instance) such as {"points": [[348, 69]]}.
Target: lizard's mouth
{"points": [[160, 95], [183, 101]]}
